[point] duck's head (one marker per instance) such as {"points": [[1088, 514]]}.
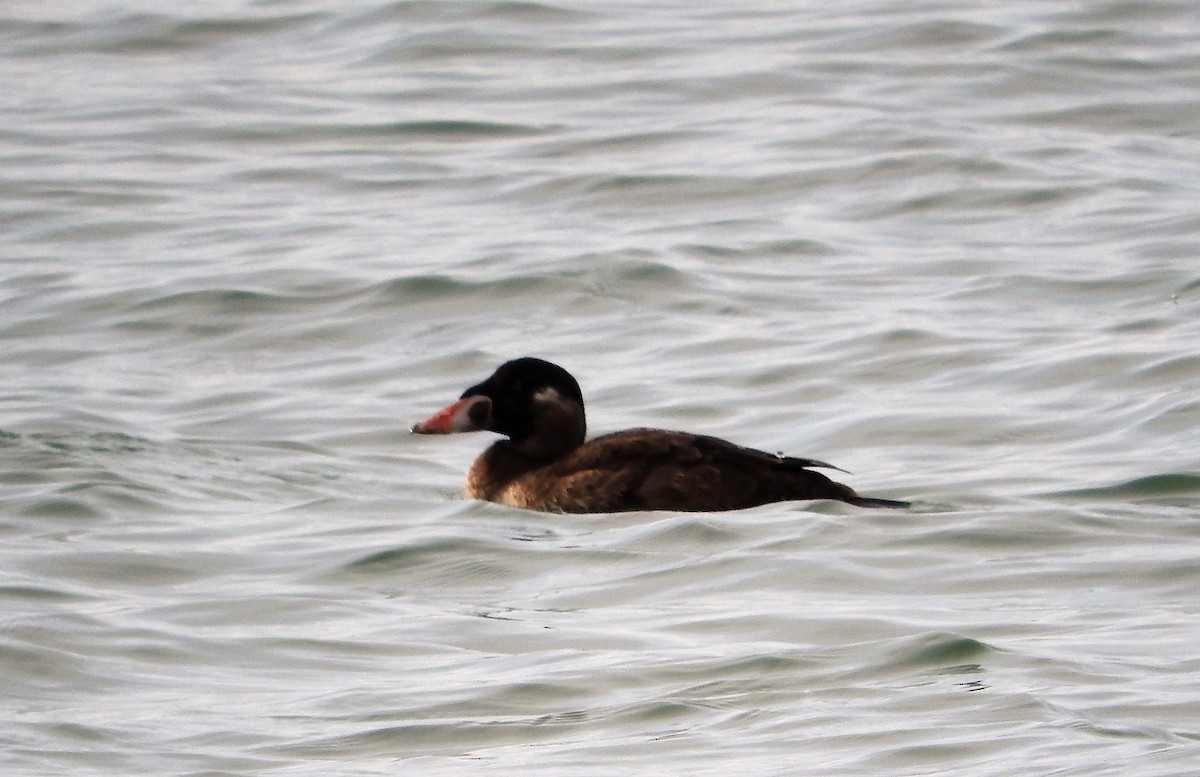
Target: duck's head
{"points": [[536, 404]]}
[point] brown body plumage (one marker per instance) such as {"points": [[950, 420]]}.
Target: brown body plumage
{"points": [[547, 465]]}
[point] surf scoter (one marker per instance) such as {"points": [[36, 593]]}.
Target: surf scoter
{"points": [[546, 465]]}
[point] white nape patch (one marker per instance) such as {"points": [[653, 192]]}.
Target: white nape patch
{"points": [[548, 394]]}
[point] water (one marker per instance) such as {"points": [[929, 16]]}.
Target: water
{"points": [[953, 250]]}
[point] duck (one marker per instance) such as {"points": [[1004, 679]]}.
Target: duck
{"points": [[545, 461]]}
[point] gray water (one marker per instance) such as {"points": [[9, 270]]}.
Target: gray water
{"points": [[954, 250]]}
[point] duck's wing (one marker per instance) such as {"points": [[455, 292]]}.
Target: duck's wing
{"points": [[655, 469], [725, 449]]}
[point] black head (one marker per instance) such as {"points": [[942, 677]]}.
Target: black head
{"points": [[515, 388]]}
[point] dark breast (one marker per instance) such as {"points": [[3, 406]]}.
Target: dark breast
{"points": [[651, 469]]}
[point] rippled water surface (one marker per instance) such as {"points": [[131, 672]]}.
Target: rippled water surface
{"points": [[955, 250]]}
